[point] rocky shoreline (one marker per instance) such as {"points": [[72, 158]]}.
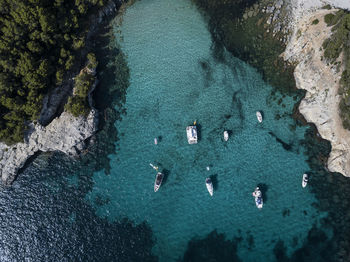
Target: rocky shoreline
{"points": [[321, 82], [291, 23], [64, 133]]}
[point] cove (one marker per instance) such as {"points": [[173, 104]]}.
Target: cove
{"points": [[176, 77]]}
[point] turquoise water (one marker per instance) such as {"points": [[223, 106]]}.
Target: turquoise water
{"points": [[176, 78]]}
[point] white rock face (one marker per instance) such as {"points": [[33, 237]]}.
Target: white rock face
{"points": [[321, 103], [65, 133]]}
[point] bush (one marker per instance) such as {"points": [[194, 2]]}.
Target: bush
{"points": [[328, 7], [77, 106], [328, 19], [315, 22]]}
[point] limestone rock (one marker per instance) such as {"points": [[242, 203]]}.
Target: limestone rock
{"points": [[63, 134], [321, 102]]}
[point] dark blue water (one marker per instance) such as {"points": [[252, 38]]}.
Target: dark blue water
{"points": [[101, 207]]}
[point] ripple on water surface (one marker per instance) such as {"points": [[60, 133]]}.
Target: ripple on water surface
{"points": [[176, 77]]}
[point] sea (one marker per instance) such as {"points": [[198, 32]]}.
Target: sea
{"points": [[160, 73]]}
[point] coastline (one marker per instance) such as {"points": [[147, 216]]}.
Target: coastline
{"points": [[321, 83], [52, 132], [67, 134]]}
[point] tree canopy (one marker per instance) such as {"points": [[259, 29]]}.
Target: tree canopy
{"points": [[39, 42]]}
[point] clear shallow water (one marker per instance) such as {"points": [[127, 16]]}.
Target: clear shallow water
{"points": [[63, 209], [175, 78]]}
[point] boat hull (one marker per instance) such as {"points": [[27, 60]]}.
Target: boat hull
{"points": [[191, 132], [225, 135], [158, 181], [209, 186], [258, 198], [305, 180], [259, 116]]}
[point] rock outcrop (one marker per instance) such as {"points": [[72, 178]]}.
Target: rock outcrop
{"points": [[64, 133], [321, 81]]}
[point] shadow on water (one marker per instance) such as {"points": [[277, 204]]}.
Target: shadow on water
{"points": [[214, 180], [214, 247], [199, 131], [264, 188], [166, 173]]}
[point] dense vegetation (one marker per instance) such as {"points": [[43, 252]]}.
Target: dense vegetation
{"points": [[78, 103], [337, 45], [39, 42]]}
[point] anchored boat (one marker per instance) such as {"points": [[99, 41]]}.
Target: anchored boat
{"points": [[209, 185], [225, 135], [159, 178], [305, 180], [258, 198], [155, 141], [158, 181], [259, 116], [191, 132]]}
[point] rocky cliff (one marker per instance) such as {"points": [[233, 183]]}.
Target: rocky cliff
{"points": [[321, 81], [64, 133]]}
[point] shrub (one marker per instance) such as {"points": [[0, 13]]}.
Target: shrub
{"points": [[327, 7], [328, 19], [315, 22]]}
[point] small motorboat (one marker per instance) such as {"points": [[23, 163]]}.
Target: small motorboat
{"points": [[155, 141], [191, 132], [209, 185], [259, 116], [225, 135], [158, 181], [305, 180], [258, 198]]}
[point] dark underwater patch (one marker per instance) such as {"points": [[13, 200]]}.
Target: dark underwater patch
{"points": [[285, 145], [214, 247]]}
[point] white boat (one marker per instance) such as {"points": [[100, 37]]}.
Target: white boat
{"points": [[209, 185], [305, 180], [225, 135], [191, 132], [258, 198], [155, 141], [158, 181], [259, 116]]}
